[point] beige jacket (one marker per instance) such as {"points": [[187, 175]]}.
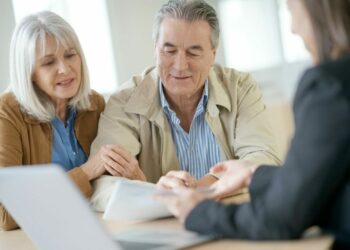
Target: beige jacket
{"points": [[235, 112], [25, 141]]}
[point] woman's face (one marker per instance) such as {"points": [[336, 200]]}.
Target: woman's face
{"points": [[301, 25], [57, 72]]}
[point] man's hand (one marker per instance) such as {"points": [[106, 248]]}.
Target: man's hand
{"points": [[175, 179]]}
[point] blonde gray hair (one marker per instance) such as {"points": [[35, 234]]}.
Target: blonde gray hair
{"points": [[28, 39], [189, 10]]}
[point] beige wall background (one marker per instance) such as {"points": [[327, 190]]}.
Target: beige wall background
{"points": [[7, 24], [131, 32]]}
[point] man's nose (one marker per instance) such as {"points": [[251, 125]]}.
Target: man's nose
{"points": [[181, 62]]}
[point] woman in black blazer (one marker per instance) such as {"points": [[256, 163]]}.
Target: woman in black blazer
{"points": [[313, 186]]}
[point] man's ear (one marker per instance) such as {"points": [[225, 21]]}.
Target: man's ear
{"points": [[214, 52], [155, 51], [214, 56]]}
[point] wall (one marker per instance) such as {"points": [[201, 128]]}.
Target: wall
{"points": [[131, 25], [7, 25]]}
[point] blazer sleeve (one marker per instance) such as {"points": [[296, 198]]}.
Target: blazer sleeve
{"points": [[116, 125], [315, 167], [10, 154], [262, 180]]}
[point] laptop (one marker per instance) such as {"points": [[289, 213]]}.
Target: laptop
{"points": [[51, 210]]}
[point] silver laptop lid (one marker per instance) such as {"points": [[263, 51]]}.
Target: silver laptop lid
{"points": [[50, 209]]}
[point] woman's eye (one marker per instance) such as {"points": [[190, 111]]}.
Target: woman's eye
{"points": [[70, 55], [48, 63]]}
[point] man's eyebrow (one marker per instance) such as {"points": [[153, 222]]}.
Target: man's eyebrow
{"points": [[196, 47], [193, 47]]}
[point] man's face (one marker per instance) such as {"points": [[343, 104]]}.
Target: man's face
{"points": [[184, 56]]}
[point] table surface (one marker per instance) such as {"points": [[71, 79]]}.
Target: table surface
{"points": [[18, 240]]}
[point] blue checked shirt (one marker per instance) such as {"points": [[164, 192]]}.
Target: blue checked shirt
{"points": [[66, 150], [197, 150]]}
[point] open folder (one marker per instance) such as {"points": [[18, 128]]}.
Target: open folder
{"points": [[133, 201]]}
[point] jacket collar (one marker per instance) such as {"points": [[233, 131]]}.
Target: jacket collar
{"points": [[145, 99], [218, 94]]}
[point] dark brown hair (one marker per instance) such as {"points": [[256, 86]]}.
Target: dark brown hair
{"points": [[331, 24]]}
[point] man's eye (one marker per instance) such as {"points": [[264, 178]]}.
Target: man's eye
{"points": [[193, 54]]}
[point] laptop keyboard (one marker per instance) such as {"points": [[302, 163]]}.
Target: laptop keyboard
{"points": [[132, 245]]}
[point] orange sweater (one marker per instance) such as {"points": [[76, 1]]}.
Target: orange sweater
{"points": [[26, 141]]}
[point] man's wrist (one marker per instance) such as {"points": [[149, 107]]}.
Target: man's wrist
{"points": [[206, 180]]}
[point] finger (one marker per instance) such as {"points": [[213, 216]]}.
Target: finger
{"points": [[173, 182], [165, 182], [116, 157], [161, 184], [218, 168], [110, 161], [112, 171], [127, 156], [187, 179], [117, 167]]}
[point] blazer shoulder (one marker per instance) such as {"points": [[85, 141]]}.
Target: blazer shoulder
{"points": [[10, 108], [233, 77], [328, 75], [97, 101]]}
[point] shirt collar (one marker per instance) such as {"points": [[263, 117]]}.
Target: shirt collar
{"points": [[202, 103], [72, 112]]}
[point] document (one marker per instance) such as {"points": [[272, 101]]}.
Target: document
{"points": [[133, 201]]}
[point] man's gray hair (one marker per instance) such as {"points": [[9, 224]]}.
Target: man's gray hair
{"points": [[188, 10]]}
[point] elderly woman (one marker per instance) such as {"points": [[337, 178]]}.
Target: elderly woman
{"points": [[49, 114], [313, 186]]}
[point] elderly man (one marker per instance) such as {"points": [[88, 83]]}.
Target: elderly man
{"points": [[186, 113]]}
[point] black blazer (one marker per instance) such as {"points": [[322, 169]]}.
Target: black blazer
{"points": [[313, 186]]}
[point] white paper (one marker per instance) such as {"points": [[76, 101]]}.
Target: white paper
{"points": [[133, 201]]}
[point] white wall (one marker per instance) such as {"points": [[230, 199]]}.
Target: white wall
{"points": [[279, 83], [131, 25], [7, 25]]}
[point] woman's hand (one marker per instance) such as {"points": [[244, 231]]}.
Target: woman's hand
{"points": [[115, 160], [235, 174], [181, 201], [94, 167], [119, 162]]}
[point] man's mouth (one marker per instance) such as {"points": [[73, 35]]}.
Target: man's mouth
{"points": [[181, 77]]}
